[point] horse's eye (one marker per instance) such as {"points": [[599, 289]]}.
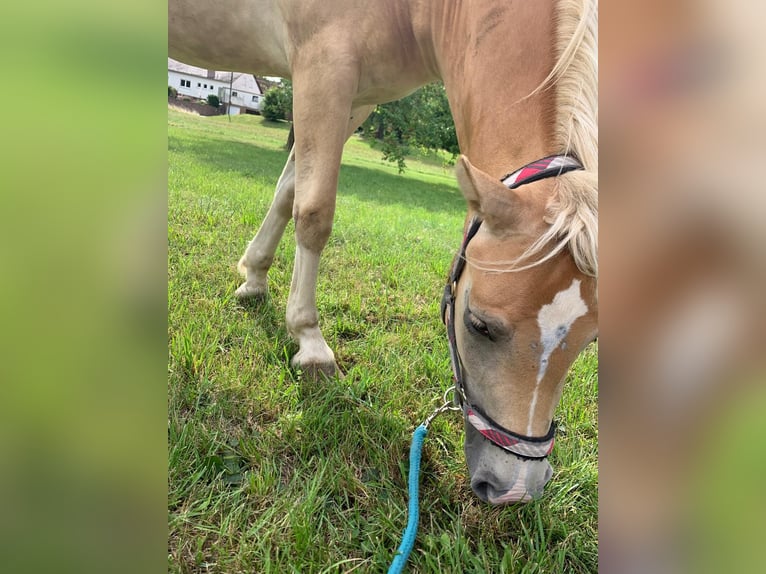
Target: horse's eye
{"points": [[476, 325]]}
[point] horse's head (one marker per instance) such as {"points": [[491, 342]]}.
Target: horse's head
{"points": [[516, 327]]}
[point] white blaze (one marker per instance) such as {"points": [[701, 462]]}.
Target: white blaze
{"points": [[555, 319]]}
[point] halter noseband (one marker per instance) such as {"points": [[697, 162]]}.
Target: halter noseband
{"points": [[522, 446]]}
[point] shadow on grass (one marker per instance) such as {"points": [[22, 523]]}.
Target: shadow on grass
{"points": [[345, 414], [367, 184], [269, 319]]}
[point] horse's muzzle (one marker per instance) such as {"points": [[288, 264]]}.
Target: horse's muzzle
{"points": [[500, 477]]}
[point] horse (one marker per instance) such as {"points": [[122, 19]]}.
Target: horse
{"points": [[521, 81]]}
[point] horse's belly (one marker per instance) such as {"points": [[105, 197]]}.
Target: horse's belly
{"points": [[387, 93], [241, 35], [396, 74]]}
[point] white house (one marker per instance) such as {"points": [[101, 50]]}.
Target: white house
{"points": [[239, 92]]}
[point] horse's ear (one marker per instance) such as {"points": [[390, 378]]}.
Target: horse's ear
{"points": [[497, 205], [469, 178]]}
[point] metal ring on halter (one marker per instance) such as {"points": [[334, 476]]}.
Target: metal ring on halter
{"points": [[446, 406], [448, 401]]}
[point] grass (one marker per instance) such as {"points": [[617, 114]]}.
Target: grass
{"points": [[270, 473]]}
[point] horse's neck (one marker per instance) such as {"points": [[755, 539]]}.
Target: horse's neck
{"points": [[491, 55]]}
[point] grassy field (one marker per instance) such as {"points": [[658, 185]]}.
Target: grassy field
{"points": [[270, 473]]}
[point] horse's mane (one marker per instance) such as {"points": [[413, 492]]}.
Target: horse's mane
{"points": [[573, 211], [573, 214]]}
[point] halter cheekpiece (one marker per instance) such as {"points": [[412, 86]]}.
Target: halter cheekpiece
{"points": [[522, 446]]}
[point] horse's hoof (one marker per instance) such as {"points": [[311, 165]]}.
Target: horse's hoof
{"points": [[316, 371], [251, 291]]}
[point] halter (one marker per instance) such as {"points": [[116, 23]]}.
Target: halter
{"points": [[526, 447]]}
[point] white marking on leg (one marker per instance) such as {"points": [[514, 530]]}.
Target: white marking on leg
{"points": [[256, 261], [555, 319], [302, 314]]}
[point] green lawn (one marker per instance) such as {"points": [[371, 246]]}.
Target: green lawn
{"points": [[270, 473]]}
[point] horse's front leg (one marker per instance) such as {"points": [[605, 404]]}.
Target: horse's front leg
{"points": [[323, 119]]}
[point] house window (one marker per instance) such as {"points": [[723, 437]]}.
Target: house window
{"points": [[198, 84], [206, 86], [234, 95], [186, 83], [211, 87], [255, 98]]}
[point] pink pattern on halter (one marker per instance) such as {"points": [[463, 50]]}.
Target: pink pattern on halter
{"points": [[545, 167], [514, 444]]}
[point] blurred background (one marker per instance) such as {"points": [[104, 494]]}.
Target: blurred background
{"points": [[83, 287], [681, 411]]}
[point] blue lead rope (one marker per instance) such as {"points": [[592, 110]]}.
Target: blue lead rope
{"points": [[413, 482], [416, 449]]}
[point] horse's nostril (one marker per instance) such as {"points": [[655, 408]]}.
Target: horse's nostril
{"points": [[481, 489], [548, 473], [488, 493]]}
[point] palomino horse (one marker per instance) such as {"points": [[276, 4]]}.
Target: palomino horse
{"points": [[521, 81]]}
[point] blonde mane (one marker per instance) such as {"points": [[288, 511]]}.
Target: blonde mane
{"points": [[573, 211], [573, 214]]}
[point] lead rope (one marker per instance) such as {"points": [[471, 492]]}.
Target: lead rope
{"points": [[413, 488]]}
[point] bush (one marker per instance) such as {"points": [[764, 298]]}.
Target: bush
{"points": [[277, 103], [212, 100], [172, 92]]}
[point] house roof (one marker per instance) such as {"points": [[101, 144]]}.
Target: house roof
{"points": [[265, 84], [238, 80]]}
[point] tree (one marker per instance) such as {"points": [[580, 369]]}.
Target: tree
{"points": [[278, 102], [422, 119], [212, 100]]}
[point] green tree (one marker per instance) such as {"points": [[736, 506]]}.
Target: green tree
{"points": [[212, 100], [422, 120], [277, 102]]}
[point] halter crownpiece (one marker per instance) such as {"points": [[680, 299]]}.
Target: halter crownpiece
{"points": [[520, 445], [550, 166]]}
